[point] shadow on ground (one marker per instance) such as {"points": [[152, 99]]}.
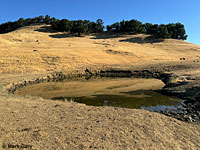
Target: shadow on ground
{"points": [[46, 29], [63, 35], [107, 35], [140, 40]]}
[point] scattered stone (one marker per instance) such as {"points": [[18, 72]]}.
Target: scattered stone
{"points": [[25, 129], [182, 58]]}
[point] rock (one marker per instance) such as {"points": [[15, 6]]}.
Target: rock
{"points": [[182, 58], [35, 50]]}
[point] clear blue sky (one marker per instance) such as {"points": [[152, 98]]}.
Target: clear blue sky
{"points": [[153, 11]]}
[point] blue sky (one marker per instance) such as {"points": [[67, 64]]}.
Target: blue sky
{"points": [[153, 11]]}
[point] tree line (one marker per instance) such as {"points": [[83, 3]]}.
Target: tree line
{"points": [[78, 26], [11, 26], [171, 30]]}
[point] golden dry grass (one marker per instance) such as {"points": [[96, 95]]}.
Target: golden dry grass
{"points": [[27, 53]]}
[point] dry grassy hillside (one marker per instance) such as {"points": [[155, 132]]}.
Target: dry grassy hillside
{"points": [[43, 124], [39, 49]]}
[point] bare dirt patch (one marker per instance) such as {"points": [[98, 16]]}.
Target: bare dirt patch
{"points": [[118, 52], [56, 125]]}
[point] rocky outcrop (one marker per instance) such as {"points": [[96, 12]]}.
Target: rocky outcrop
{"points": [[189, 110]]}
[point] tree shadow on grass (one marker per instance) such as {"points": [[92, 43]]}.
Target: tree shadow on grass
{"points": [[107, 35], [46, 29], [140, 40], [63, 35]]}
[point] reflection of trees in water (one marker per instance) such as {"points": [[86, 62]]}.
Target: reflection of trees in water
{"points": [[148, 100]]}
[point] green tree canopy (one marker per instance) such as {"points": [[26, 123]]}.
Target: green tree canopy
{"points": [[171, 30]]}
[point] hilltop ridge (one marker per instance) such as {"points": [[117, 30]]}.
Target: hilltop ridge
{"points": [[39, 48], [78, 27]]}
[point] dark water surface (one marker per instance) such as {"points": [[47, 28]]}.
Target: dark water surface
{"points": [[113, 92]]}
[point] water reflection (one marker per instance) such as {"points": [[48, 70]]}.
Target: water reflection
{"points": [[148, 100], [116, 92]]}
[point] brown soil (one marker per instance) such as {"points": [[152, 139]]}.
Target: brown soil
{"points": [[26, 54]]}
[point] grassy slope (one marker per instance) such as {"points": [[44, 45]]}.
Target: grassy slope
{"points": [[59, 51], [56, 125]]}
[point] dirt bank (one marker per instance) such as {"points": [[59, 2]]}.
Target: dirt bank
{"points": [[57, 125]]}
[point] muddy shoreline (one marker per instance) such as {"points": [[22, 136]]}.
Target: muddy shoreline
{"points": [[190, 107], [188, 111]]}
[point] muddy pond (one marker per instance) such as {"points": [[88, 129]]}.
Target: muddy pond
{"points": [[138, 93]]}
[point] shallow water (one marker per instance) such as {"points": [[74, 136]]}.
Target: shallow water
{"points": [[115, 92]]}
